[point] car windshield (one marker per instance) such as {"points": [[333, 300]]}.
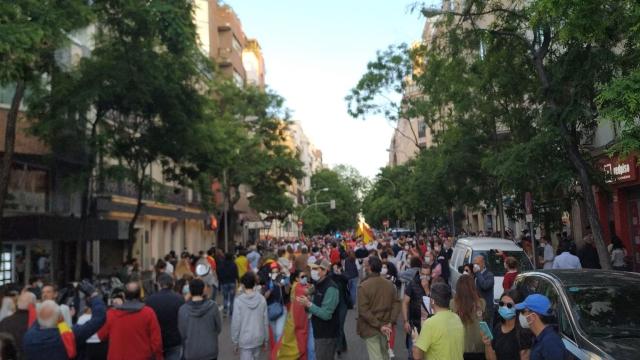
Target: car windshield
{"points": [[495, 262], [607, 311]]}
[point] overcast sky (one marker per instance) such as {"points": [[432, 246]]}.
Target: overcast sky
{"points": [[315, 52]]}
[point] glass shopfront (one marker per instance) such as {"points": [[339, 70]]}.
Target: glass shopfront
{"points": [[22, 260]]}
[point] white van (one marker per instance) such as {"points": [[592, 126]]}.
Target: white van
{"points": [[468, 248]]}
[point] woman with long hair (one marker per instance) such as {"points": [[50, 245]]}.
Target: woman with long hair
{"points": [[470, 308]]}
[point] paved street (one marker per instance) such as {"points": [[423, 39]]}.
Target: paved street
{"points": [[357, 349]]}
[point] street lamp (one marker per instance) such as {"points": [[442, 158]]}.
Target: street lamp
{"points": [[315, 197]]}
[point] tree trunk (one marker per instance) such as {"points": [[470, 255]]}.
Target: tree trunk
{"points": [[136, 215], [86, 197], [589, 199], [9, 147]]}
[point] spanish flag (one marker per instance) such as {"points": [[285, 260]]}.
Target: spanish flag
{"points": [[293, 343], [364, 231], [68, 339]]}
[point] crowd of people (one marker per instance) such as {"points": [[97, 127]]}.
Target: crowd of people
{"points": [[286, 300]]}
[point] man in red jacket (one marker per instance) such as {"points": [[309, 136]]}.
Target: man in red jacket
{"points": [[334, 255], [132, 329]]}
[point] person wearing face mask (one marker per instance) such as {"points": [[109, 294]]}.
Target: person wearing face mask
{"points": [[536, 314], [344, 304], [484, 283], [510, 340], [295, 337], [467, 269], [416, 306], [274, 293], [322, 307], [389, 270]]}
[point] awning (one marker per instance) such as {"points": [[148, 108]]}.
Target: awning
{"points": [[28, 227]]}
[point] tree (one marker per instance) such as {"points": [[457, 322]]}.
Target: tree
{"points": [[533, 68], [142, 81], [243, 141], [32, 30], [323, 219]]}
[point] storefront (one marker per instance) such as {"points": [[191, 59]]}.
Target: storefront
{"points": [[619, 209]]}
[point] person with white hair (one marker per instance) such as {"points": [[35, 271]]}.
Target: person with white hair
{"points": [[50, 338], [18, 323]]}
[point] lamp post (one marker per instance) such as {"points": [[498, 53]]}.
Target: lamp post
{"points": [[315, 197]]}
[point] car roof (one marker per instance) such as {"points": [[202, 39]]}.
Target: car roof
{"points": [[488, 243], [589, 277]]}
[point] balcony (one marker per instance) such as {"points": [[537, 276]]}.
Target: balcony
{"points": [[160, 193]]}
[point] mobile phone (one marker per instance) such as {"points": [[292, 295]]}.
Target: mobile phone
{"points": [[484, 327]]}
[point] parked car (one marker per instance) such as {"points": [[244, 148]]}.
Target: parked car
{"points": [[468, 248], [397, 233], [597, 311]]}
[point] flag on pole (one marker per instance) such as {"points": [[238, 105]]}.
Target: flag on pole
{"points": [[364, 231]]}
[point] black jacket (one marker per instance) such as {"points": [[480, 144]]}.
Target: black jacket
{"points": [[16, 325], [166, 304], [227, 272]]}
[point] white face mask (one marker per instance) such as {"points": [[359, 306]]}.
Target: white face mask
{"points": [[523, 321], [476, 267], [315, 275], [427, 259], [384, 271], [274, 276]]}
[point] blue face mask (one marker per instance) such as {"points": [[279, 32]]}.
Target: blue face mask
{"points": [[303, 280], [507, 313]]}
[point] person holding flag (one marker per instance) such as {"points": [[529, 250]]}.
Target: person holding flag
{"points": [[50, 338]]}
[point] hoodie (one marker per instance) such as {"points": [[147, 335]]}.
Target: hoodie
{"points": [[133, 332], [199, 325], [250, 322]]}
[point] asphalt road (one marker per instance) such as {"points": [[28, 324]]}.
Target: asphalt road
{"points": [[356, 347]]}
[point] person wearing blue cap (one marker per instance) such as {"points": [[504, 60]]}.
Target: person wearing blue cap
{"points": [[536, 314]]}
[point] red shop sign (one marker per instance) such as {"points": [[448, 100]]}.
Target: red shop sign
{"points": [[620, 171]]}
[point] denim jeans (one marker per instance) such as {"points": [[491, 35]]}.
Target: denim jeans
{"points": [[277, 326], [353, 290], [228, 293]]}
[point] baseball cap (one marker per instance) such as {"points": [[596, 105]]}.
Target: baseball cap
{"points": [[537, 303], [325, 264]]}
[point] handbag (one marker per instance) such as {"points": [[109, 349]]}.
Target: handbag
{"points": [[275, 310]]}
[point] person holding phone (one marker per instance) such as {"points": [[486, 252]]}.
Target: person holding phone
{"points": [[510, 341]]}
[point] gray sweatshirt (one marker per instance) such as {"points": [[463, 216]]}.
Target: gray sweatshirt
{"points": [[199, 325], [250, 323]]}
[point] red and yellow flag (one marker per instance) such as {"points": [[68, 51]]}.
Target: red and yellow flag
{"points": [[293, 343], [68, 339], [364, 231]]}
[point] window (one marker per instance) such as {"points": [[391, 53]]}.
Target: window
{"points": [[238, 78], [236, 44], [467, 257], [495, 263], [422, 129]]}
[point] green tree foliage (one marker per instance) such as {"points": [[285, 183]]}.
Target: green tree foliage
{"points": [[142, 80], [514, 87], [32, 30], [243, 141], [322, 219]]}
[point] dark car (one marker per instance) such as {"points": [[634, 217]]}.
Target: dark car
{"points": [[597, 311]]}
